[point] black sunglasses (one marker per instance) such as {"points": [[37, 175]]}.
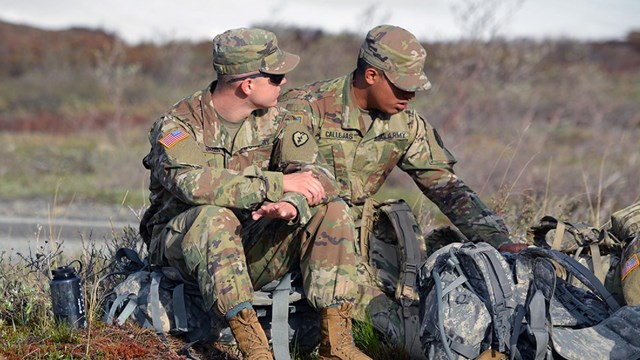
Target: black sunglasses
{"points": [[273, 78]]}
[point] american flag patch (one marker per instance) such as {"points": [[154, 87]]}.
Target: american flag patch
{"points": [[630, 265], [173, 138]]}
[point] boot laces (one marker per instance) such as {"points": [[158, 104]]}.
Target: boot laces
{"points": [[346, 345], [256, 347], [254, 339]]}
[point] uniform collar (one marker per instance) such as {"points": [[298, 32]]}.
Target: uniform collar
{"points": [[350, 110], [215, 135], [252, 132]]}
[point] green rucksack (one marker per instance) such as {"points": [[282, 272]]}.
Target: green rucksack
{"points": [[391, 249], [625, 223], [596, 248]]}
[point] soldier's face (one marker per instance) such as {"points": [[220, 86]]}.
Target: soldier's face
{"points": [[266, 91], [388, 98]]}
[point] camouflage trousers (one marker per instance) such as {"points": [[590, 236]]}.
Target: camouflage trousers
{"points": [[230, 255]]}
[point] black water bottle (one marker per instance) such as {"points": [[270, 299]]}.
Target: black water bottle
{"points": [[67, 298]]}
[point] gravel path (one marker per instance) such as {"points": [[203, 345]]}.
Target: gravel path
{"points": [[36, 224]]}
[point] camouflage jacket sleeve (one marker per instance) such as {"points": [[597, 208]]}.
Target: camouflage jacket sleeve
{"points": [[178, 162], [430, 164], [297, 151]]}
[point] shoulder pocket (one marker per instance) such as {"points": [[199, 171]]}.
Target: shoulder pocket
{"points": [[439, 153]]}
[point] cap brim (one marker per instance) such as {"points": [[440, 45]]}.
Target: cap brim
{"points": [[288, 62], [409, 82]]}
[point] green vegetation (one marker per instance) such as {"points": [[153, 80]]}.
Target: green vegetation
{"points": [[103, 166]]}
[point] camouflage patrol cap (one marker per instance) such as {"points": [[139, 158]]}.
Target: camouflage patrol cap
{"points": [[244, 50], [399, 54]]}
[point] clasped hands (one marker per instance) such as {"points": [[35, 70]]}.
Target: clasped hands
{"points": [[303, 183]]}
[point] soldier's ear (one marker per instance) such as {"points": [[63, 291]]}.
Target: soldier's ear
{"points": [[372, 75], [246, 86]]}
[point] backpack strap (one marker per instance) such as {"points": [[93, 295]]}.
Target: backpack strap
{"points": [[131, 306], [128, 310], [559, 235], [449, 344], [280, 319], [586, 276], [502, 294], [595, 283], [536, 324], [133, 262], [596, 261], [534, 310], [180, 314], [401, 217], [154, 302], [514, 353], [179, 309], [402, 220]]}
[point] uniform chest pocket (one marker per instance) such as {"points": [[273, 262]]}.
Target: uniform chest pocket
{"points": [[253, 155], [376, 157], [215, 158], [333, 155]]}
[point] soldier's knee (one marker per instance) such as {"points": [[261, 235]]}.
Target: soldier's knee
{"points": [[212, 214], [205, 223], [337, 208]]}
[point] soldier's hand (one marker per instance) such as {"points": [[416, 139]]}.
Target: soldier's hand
{"points": [[306, 184], [512, 248], [278, 210]]}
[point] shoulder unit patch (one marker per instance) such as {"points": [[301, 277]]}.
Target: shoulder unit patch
{"points": [[300, 138]]}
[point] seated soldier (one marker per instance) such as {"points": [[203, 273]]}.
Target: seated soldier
{"points": [[238, 199], [365, 126]]}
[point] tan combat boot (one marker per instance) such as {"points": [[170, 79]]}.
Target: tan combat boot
{"points": [[251, 339], [337, 340]]}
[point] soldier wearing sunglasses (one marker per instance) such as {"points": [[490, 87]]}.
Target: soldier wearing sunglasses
{"points": [[237, 198]]}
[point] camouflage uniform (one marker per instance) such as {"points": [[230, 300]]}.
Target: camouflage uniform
{"points": [[361, 158], [204, 185]]}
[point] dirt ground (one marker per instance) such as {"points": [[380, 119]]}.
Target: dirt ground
{"points": [[115, 342]]}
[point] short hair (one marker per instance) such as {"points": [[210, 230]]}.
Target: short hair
{"points": [[362, 65]]}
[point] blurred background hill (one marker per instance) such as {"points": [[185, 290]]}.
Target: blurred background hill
{"points": [[538, 127]]}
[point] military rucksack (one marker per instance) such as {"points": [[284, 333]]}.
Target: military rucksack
{"points": [[548, 301], [466, 303], [520, 306], [163, 300], [596, 248], [625, 223], [391, 249]]}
